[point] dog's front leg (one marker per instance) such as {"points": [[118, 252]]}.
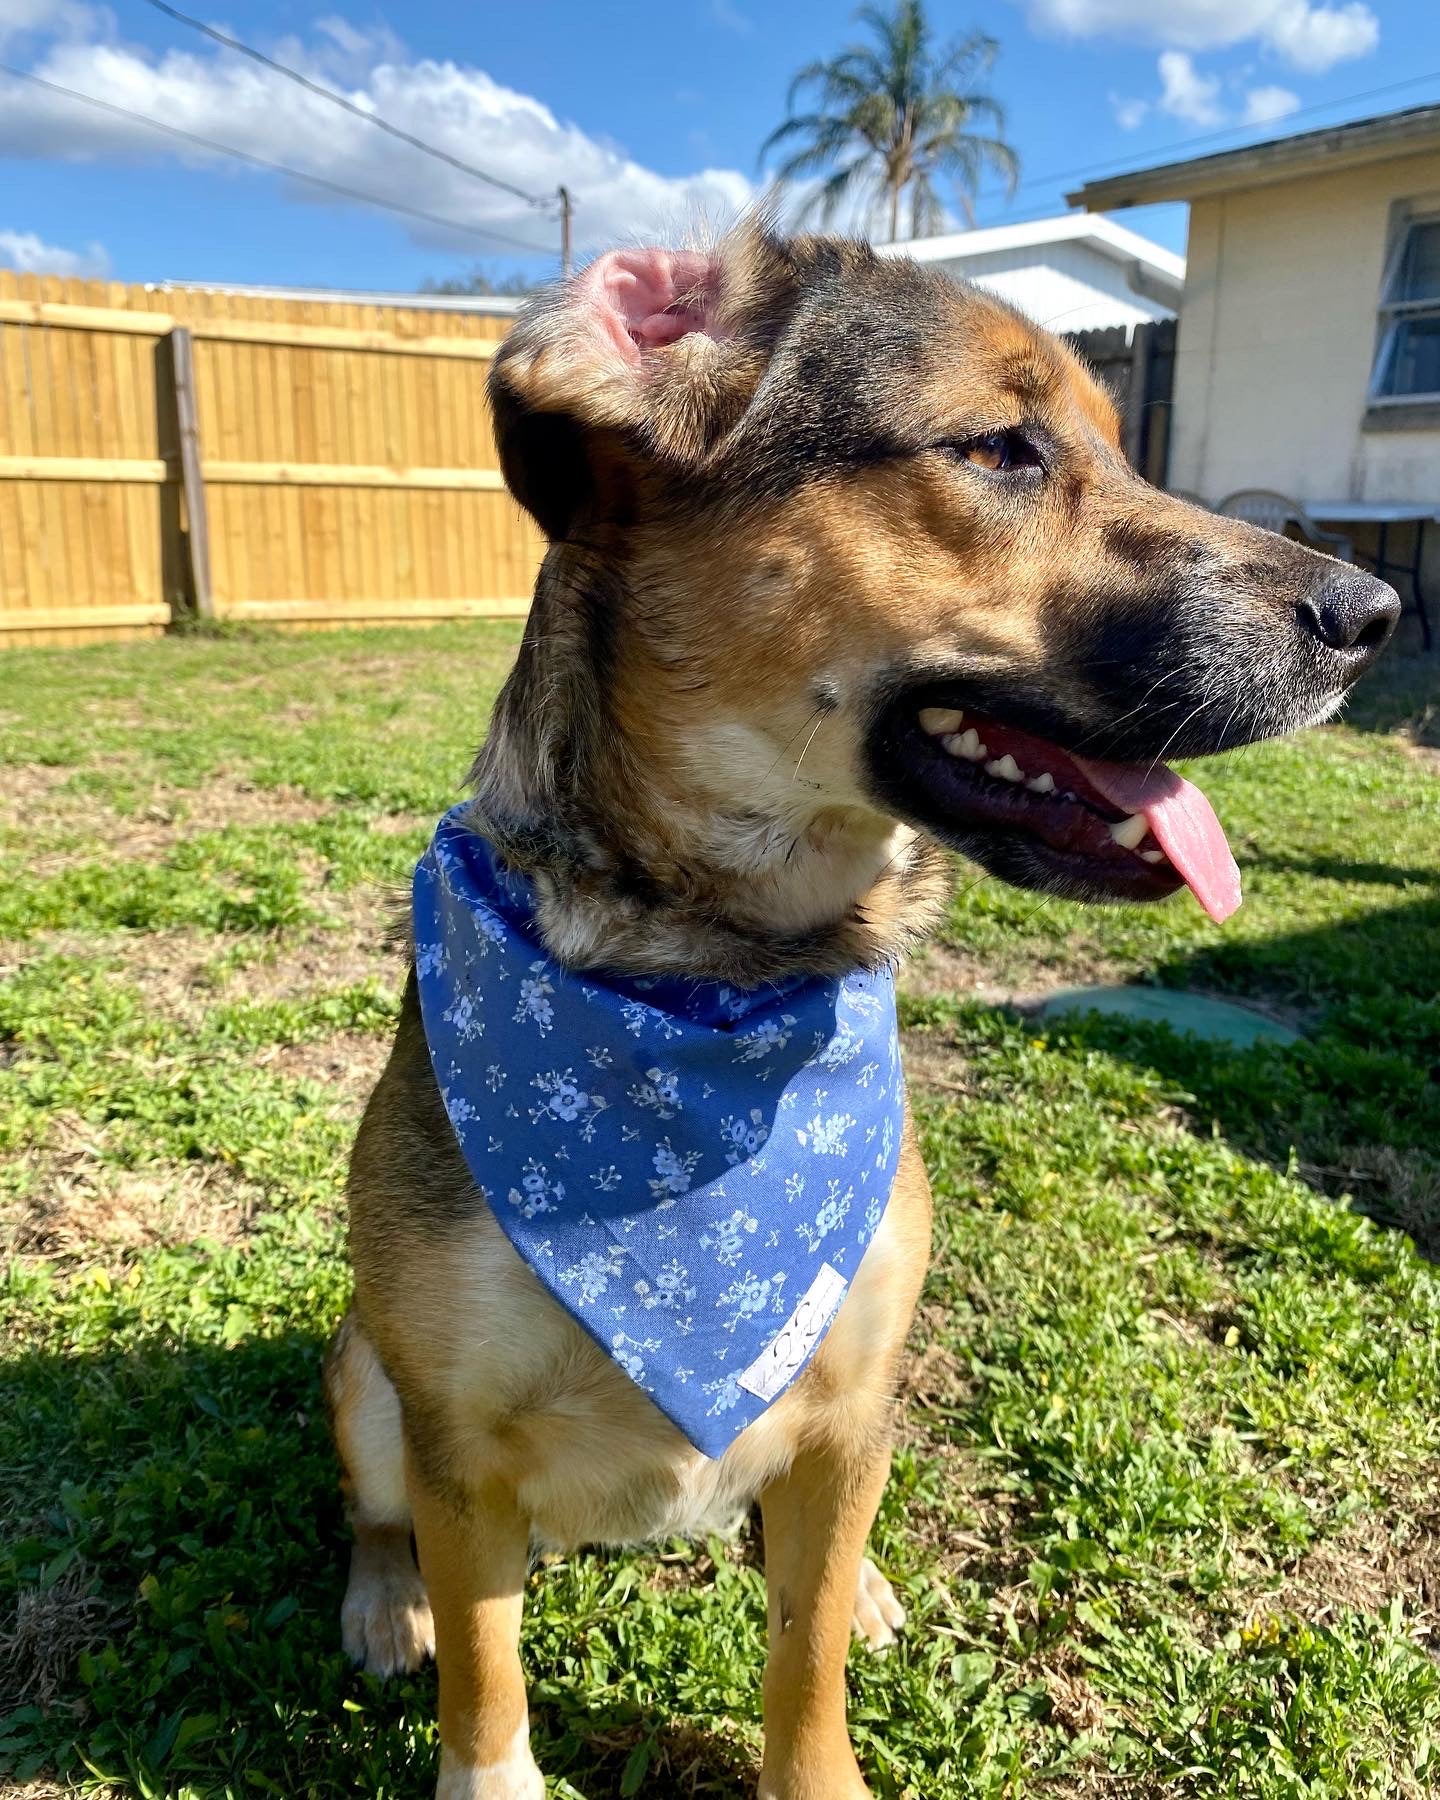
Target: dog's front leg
{"points": [[816, 1521], [474, 1553]]}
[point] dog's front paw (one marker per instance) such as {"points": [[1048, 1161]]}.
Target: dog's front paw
{"points": [[515, 1777], [878, 1615], [836, 1779], [385, 1622]]}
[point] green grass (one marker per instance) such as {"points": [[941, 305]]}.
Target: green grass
{"points": [[1166, 1507]]}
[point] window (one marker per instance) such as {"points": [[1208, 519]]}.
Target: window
{"points": [[1408, 364]]}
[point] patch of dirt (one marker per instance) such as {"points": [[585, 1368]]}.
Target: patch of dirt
{"points": [[931, 1372], [41, 1639], [687, 1762], [1075, 1703], [1091, 1779], [47, 1790], [398, 824], [950, 972], [172, 814], [1398, 1188], [182, 973], [352, 947], [1426, 755], [1368, 1565], [28, 785], [31, 796], [75, 1205], [932, 1061], [348, 1064]]}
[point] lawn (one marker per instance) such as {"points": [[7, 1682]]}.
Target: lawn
{"points": [[1166, 1507]]}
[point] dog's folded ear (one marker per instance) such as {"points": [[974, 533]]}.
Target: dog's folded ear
{"points": [[647, 354]]}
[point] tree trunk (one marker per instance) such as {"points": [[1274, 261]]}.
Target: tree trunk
{"points": [[894, 211]]}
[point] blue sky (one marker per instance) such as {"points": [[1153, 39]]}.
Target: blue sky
{"points": [[649, 114]]}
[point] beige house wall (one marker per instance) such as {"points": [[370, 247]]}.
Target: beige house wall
{"points": [[1278, 334]]}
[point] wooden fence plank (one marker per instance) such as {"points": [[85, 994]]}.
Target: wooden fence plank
{"points": [[331, 337], [63, 618], [83, 318], [376, 611], [62, 315], [350, 475], [82, 468]]}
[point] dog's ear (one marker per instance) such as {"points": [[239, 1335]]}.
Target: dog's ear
{"points": [[647, 354]]}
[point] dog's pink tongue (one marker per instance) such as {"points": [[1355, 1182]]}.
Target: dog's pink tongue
{"points": [[1183, 823]]}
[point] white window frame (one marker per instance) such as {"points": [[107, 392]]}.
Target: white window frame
{"points": [[1393, 312]]}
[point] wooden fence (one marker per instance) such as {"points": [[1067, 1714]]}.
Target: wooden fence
{"points": [[1137, 364], [165, 453]]}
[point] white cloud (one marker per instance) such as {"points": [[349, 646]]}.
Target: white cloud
{"points": [[730, 18], [1129, 114], [1263, 105], [29, 18], [1185, 92], [1313, 37], [455, 106], [31, 255]]}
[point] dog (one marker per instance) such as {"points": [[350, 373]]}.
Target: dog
{"points": [[846, 570]]}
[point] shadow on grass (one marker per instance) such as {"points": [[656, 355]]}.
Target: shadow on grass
{"points": [[1403, 694], [1336, 868], [173, 1526], [1356, 1104]]}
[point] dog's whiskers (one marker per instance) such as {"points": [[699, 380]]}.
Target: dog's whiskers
{"points": [[784, 749], [795, 773]]}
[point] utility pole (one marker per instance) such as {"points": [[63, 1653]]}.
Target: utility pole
{"points": [[566, 207]]}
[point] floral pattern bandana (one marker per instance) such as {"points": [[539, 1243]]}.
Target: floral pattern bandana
{"points": [[692, 1170]]}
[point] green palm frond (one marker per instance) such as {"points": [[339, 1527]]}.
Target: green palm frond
{"points": [[899, 119]]}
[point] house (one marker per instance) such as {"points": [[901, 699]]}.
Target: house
{"points": [[1074, 273], [1308, 357]]}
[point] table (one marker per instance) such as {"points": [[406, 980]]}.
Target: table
{"points": [[1383, 514]]}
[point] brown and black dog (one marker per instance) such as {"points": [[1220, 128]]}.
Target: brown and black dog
{"points": [[845, 566]]}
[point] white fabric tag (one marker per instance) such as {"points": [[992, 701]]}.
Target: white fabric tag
{"points": [[777, 1364]]}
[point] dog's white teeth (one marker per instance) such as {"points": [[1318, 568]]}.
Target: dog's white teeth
{"points": [[1042, 784], [1006, 768], [1152, 856], [1130, 833], [940, 721], [966, 744]]}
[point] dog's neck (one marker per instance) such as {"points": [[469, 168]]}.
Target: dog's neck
{"points": [[744, 898], [637, 868]]}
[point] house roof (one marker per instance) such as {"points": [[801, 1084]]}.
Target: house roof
{"points": [[1164, 272], [1277, 159]]}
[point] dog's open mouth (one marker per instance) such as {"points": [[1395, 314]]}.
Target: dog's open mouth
{"points": [[1047, 817]]}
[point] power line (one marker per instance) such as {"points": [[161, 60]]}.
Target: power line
{"points": [[261, 162], [359, 112], [1209, 137]]}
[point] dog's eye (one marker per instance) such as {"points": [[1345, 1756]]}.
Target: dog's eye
{"points": [[1000, 451]]}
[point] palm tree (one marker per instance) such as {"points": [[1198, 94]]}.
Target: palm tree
{"points": [[897, 117]]}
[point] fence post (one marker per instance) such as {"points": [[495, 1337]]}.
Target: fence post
{"points": [[187, 418]]}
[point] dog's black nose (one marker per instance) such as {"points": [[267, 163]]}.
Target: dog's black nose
{"points": [[1351, 614]]}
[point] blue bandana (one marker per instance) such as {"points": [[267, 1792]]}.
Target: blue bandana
{"points": [[692, 1170]]}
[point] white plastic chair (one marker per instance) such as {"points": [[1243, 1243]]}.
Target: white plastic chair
{"points": [[1275, 512]]}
